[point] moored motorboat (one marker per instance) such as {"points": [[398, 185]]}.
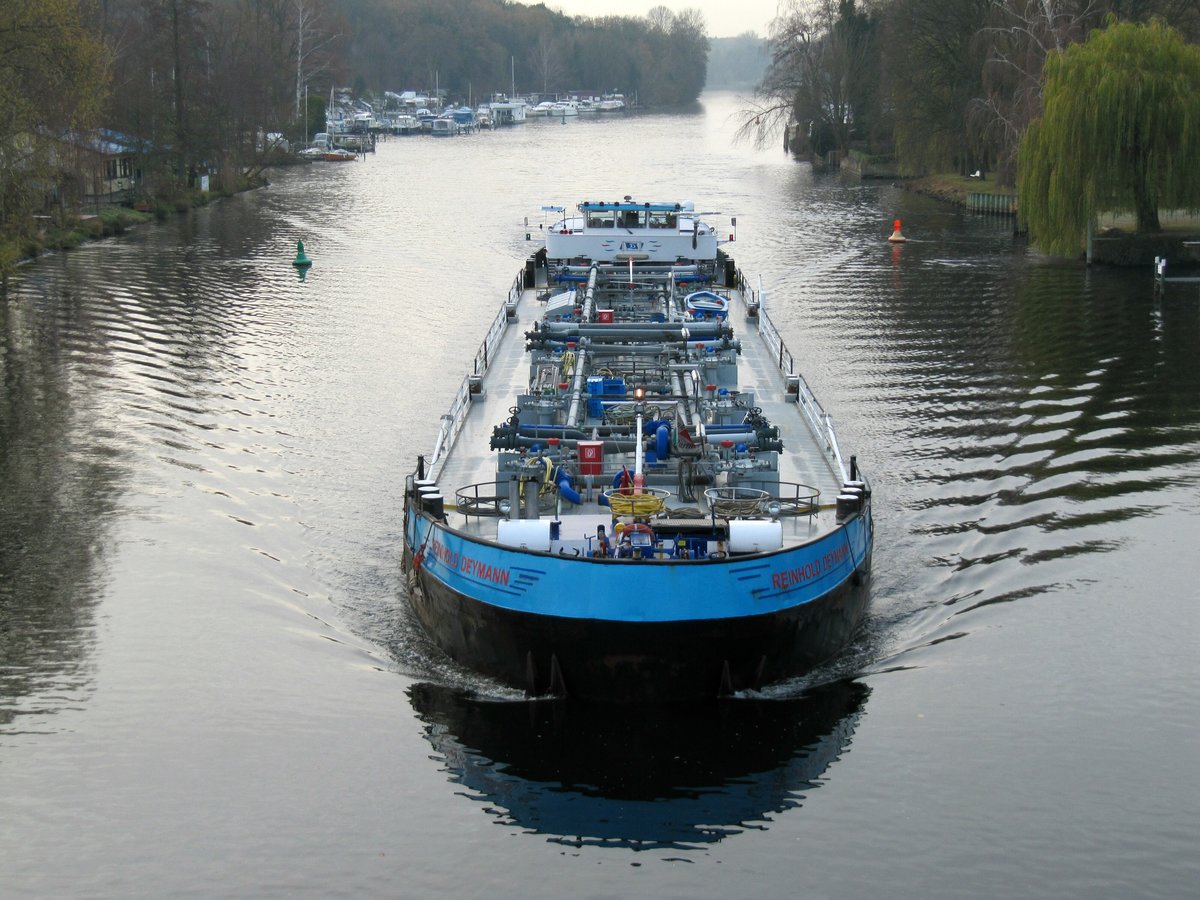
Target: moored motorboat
{"points": [[626, 500], [611, 103], [406, 124]]}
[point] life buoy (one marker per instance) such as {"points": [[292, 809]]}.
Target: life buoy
{"points": [[636, 528]]}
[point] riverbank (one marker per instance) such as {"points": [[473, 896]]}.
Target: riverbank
{"points": [[957, 189], [1116, 243], [50, 233], [75, 230]]}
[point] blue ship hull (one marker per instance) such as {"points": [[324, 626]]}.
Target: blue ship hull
{"points": [[638, 630]]}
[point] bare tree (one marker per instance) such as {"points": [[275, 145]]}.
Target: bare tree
{"points": [[661, 19], [817, 50], [312, 44], [1024, 33], [547, 60], [690, 22]]}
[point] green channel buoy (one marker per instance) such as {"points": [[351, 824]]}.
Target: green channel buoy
{"points": [[301, 261]]}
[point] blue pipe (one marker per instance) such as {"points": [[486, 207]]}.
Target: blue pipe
{"points": [[565, 488], [616, 483]]}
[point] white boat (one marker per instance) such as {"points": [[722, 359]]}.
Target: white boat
{"points": [[611, 103], [506, 111], [635, 495], [564, 108], [406, 124]]}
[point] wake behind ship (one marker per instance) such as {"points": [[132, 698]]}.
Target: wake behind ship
{"points": [[629, 499]]}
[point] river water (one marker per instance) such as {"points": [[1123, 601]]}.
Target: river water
{"points": [[210, 683]]}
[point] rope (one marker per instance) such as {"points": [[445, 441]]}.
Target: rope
{"points": [[646, 504]]}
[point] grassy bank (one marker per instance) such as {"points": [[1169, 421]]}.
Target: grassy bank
{"points": [[74, 230], [51, 233], [47, 234], [954, 188], [1116, 241]]}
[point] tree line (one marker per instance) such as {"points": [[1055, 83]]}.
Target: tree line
{"points": [[193, 84], [941, 85], [475, 47]]}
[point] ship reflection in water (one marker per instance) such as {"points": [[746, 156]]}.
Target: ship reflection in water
{"points": [[637, 776]]}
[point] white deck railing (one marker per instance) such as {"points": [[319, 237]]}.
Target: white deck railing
{"points": [[819, 421], [452, 421]]}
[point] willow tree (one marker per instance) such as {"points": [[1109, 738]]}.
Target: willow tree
{"points": [[1119, 132]]}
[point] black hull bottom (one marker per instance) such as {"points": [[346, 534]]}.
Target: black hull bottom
{"points": [[638, 661]]}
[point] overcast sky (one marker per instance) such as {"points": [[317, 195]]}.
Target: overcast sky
{"points": [[724, 18]]}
